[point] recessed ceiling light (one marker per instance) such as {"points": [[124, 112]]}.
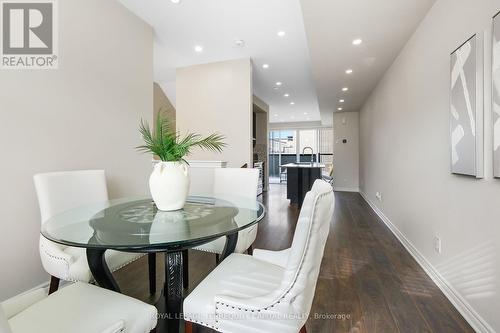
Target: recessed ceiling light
{"points": [[239, 42], [286, 95], [175, 1], [275, 114], [279, 83], [345, 89], [281, 33], [305, 113], [340, 109], [357, 41], [198, 48], [292, 103], [341, 101], [265, 66], [348, 71]]}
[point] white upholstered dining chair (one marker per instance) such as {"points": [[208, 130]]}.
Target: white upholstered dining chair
{"points": [[61, 191], [235, 183], [78, 308], [271, 291]]}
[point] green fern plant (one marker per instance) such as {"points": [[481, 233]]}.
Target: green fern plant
{"points": [[165, 143]]}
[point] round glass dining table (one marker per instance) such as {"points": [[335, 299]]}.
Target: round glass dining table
{"points": [[136, 225]]}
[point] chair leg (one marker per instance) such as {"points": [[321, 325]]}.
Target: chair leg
{"points": [[217, 258], [185, 269], [303, 329], [250, 250], [188, 327], [54, 284], [152, 273]]}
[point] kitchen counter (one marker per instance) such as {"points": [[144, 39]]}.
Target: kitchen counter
{"points": [[300, 179], [304, 165]]}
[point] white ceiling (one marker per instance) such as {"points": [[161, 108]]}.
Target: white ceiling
{"points": [[332, 25], [215, 25]]}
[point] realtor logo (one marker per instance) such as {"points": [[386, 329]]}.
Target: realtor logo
{"points": [[29, 36]]}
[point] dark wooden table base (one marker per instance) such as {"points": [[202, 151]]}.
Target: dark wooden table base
{"points": [[169, 303]]}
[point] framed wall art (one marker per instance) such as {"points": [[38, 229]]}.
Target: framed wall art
{"points": [[466, 108]]}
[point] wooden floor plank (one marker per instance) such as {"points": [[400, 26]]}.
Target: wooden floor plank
{"points": [[402, 308], [340, 300], [376, 314]]}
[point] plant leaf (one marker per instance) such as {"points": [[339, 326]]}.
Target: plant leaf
{"points": [[168, 146]]}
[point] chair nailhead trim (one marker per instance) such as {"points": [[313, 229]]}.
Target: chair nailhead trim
{"points": [[201, 323], [56, 258], [298, 271], [67, 278]]}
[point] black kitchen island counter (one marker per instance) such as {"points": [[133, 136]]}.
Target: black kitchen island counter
{"points": [[300, 179]]}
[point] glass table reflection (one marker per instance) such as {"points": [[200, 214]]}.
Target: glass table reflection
{"points": [[136, 225]]}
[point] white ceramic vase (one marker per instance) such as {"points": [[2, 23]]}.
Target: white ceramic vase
{"points": [[169, 185]]}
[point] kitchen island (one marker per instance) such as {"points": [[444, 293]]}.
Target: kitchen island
{"points": [[300, 179]]}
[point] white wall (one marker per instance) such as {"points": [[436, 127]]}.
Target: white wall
{"points": [[84, 115], [169, 90], [217, 97], [346, 155], [404, 128]]}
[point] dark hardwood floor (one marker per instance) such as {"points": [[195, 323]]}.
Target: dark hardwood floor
{"points": [[368, 281]]}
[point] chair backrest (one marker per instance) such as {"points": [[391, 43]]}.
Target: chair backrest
{"points": [[240, 182], [304, 260], [61, 191], [4, 323]]}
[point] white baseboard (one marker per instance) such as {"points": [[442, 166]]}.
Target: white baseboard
{"points": [[345, 189], [465, 309], [44, 285]]}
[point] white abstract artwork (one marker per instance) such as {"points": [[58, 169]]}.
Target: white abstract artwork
{"points": [[496, 95], [466, 109]]}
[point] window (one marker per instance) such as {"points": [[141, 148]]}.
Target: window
{"points": [[326, 148], [308, 139], [282, 150], [287, 146]]}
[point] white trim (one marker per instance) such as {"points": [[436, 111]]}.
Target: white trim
{"points": [[43, 285], [207, 164], [345, 189], [201, 164], [465, 309]]}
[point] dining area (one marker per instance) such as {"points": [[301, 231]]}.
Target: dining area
{"points": [[162, 173], [131, 227], [85, 236], [104, 226], [89, 208]]}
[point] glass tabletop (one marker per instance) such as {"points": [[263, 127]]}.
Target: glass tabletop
{"points": [[136, 223]]}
